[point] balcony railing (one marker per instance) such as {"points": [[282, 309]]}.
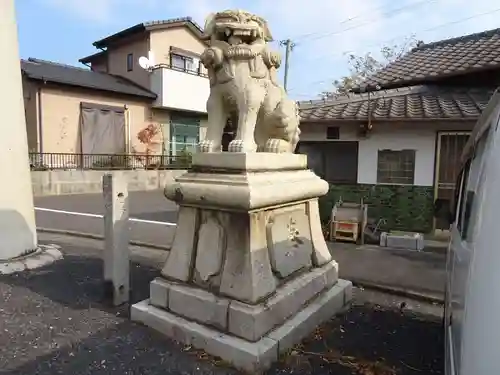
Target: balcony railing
{"points": [[196, 72], [69, 161]]}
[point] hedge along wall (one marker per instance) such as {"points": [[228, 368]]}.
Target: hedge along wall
{"points": [[408, 208]]}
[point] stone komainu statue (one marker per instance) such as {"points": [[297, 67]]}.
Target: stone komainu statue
{"points": [[242, 72]]}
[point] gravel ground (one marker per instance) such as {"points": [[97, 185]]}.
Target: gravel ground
{"points": [[53, 321]]}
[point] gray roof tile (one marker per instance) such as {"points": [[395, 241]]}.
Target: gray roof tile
{"points": [[145, 26], [448, 57], [70, 75], [413, 103]]}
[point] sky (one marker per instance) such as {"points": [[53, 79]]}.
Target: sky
{"points": [[323, 31]]}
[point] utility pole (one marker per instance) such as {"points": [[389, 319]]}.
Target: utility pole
{"points": [[288, 49]]}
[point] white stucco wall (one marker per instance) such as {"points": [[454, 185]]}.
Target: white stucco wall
{"points": [[180, 90], [422, 139]]}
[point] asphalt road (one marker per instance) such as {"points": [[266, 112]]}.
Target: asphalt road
{"points": [[147, 205], [53, 321]]}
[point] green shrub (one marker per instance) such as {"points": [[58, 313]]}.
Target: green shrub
{"points": [[183, 159], [111, 162]]}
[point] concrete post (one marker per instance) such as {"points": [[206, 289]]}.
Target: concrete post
{"points": [[17, 215], [116, 232]]}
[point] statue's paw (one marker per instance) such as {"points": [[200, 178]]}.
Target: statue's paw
{"points": [[238, 145], [277, 146], [261, 148], [206, 146]]}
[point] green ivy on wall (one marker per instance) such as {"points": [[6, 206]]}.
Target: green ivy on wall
{"points": [[403, 207]]}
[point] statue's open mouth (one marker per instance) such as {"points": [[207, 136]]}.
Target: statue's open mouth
{"points": [[236, 34]]}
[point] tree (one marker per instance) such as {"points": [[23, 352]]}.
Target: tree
{"points": [[148, 137], [361, 67]]}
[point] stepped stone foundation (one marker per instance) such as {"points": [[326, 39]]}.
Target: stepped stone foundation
{"points": [[249, 273]]}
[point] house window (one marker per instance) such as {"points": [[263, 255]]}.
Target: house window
{"points": [[332, 132], [396, 167], [181, 62], [184, 135], [130, 62], [336, 162]]}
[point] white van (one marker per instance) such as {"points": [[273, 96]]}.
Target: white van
{"points": [[472, 297]]}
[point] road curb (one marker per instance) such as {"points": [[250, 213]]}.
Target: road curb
{"points": [[402, 292], [98, 237], [407, 293]]}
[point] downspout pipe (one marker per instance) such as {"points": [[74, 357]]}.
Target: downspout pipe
{"points": [[39, 120]]}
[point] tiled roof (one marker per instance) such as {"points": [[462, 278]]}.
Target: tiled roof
{"points": [[415, 103], [90, 58], [145, 26], [69, 75], [428, 62]]}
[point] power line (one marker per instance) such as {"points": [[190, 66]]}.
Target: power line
{"points": [[371, 10], [403, 36], [302, 36], [386, 15]]}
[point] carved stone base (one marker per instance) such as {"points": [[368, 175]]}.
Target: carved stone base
{"points": [[248, 256], [250, 322], [249, 356]]}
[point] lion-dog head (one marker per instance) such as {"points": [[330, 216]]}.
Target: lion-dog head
{"points": [[236, 27]]}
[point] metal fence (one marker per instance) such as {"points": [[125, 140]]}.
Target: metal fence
{"points": [[69, 161]]}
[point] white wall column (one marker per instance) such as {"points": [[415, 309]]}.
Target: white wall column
{"points": [[17, 215]]}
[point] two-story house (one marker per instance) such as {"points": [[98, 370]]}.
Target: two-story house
{"points": [[102, 108]]}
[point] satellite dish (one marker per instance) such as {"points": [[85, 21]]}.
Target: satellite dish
{"points": [[147, 62], [144, 63]]}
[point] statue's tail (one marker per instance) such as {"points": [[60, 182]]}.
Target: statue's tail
{"points": [[287, 122]]}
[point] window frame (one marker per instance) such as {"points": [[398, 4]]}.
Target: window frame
{"points": [[457, 198], [185, 60], [470, 189], [180, 139], [399, 152], [130, 62], [459, 207]]}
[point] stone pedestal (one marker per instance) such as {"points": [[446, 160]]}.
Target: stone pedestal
{"points": [[249, 273]]}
